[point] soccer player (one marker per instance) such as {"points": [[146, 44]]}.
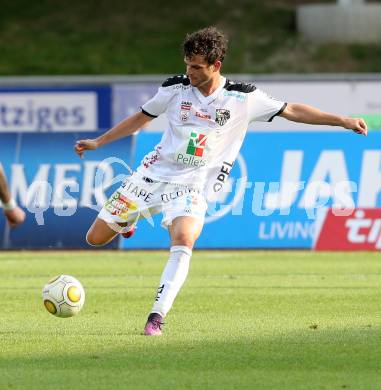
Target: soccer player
{"points": [[208, 118], [12, 212]]}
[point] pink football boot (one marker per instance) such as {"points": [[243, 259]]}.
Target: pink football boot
{"points": [[153, 325]]}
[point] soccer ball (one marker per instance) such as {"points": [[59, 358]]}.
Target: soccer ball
{"points": [[63, 296]]}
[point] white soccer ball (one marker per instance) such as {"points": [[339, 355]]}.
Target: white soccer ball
{"points": [[63, 296]]}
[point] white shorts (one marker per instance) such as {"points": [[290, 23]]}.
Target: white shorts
{"points": [[141, 197]]}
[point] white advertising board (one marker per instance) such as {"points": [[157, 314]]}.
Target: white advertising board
{"points": [[48, 111]]}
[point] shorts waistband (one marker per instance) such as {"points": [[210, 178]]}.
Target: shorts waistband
{"points": [[183, 185]]}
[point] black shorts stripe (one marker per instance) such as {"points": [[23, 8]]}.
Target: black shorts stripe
{"points": [[278, 113]]}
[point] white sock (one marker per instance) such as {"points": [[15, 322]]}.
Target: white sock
{"points": [[172, 279]]}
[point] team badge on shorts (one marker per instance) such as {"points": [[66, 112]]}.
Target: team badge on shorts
{"points": [[222, 116], [190, 201], [120, 206]]}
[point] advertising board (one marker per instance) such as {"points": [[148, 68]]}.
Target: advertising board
{"points": [[278, 185], [51, 109]]}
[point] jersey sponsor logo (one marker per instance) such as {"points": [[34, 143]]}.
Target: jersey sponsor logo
{"points": [[194, 151], [222, 176], [219, 193], [192, 160], [186, 105], [184, 115], [222, 116], [358, 231], [181, 86], [151, 158], [184, 110], [202, 115], [196, 145], [238, 95]]}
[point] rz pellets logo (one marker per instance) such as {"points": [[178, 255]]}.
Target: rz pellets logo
{"points": [[196, 144]]}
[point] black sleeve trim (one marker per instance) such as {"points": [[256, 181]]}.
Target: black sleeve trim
{"points": [[239, 87], [180, 79], [147, 113], [278, 113]]}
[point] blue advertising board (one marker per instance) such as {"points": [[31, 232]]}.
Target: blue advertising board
{"points": [[56, 188], [38, 128], [278, 183], [289, 176]]}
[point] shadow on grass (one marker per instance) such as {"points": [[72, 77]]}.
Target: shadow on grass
{"points": [[311, 358]]}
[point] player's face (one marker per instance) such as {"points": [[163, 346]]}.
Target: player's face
{"points": [[199, 71]]}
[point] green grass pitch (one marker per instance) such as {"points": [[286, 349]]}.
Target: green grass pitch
{"points": [[244, 320]]}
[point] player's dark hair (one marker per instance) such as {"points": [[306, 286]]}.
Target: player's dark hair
{"points": [[208, 42]]}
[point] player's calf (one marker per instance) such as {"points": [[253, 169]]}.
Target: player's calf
{"points": [[100, 233], [96, 240]]}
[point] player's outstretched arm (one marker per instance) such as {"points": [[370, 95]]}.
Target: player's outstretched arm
{"points": [[123, 129], [304, 113]]}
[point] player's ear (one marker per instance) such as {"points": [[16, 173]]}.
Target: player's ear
{"points": [[217, 65]]}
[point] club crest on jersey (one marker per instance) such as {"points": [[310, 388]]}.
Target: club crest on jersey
{"points": [[196, 144], [184, 110], [222, 116]]}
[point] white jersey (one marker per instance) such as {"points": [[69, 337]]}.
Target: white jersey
{"points": [[205, 133]]}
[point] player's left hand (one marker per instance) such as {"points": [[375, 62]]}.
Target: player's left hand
{"points": [[358, 125], [15, 216]]}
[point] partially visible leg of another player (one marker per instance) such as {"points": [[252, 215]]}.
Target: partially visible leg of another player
{"points": [[183, 231]]}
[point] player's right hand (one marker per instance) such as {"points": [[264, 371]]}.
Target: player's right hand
{"points": [[85, 144]]}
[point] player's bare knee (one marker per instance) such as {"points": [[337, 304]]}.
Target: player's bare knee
{"points": [[183, 239]]}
